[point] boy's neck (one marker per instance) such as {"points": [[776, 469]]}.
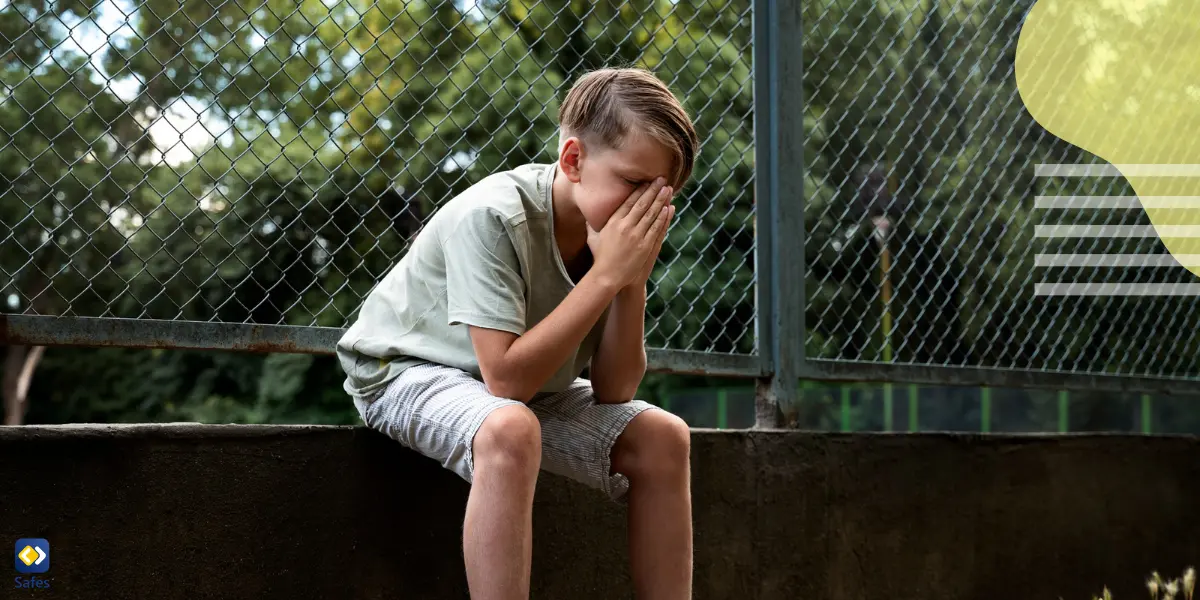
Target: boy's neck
{"points": [[570, 228]]}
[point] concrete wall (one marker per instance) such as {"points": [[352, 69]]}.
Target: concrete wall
{"points": [[170, 512]]}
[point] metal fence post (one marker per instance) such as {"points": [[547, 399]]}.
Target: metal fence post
{"points": [[779, 208]]}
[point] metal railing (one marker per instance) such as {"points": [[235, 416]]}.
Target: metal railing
{"points": [[237, 175]]}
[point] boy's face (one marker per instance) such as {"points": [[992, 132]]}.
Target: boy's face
{"points": [[606, 177]]}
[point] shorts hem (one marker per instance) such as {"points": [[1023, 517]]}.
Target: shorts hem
{"points": [[468, 435], [616, 485]]}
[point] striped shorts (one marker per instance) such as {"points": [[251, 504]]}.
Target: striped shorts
{"points": [[436, 411]]}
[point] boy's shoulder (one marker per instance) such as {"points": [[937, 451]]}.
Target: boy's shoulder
{"points": [[518, 193]]}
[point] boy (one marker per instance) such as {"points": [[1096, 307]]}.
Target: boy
{"points": [[470, 350]]}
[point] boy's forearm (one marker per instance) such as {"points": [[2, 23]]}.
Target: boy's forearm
{"points": [[535, 356], [620, 361]]}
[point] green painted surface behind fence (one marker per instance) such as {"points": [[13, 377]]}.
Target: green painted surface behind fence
{"points": [[864, 407]]}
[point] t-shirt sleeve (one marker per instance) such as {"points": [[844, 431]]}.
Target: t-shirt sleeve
{"points": [[484, 287]]}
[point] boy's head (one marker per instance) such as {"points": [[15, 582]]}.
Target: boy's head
{"points": [[620, 128]]}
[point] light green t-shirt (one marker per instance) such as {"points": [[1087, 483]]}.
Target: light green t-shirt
{"points": [[486, 258]]}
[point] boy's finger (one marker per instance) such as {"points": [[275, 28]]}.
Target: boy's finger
{"points": [[659, 225], [656, 209], [646, 200], [630, 201], [662, 233]]}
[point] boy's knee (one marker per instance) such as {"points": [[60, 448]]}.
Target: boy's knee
{"points": [[658, 445], [674, 441], [511, 439]]}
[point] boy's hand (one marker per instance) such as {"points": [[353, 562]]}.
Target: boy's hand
{"points": [[648, 269], [631, 238]]}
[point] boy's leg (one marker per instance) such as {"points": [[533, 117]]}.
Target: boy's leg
{"points": [[492, 443], [498, 529], [638, 455], [653, 452]]}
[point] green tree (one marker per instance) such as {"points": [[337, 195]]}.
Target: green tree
{"points": [[335, 128]]}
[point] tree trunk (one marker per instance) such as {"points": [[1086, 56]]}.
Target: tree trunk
{"points": [[19, 365]]}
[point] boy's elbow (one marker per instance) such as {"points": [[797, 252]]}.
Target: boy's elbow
{"points": [[611, 397], [620, 388], [615, 393], [635, 369], [615, 384], [503, 387], [500, 376]]}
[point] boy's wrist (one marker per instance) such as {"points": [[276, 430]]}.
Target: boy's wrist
{"points": [[633, 291], [607, 285]]}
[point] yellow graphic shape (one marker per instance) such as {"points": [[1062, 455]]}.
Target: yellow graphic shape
{"points": [[28, 555], [1121, 79]]}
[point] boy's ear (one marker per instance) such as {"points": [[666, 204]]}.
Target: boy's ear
{"points": [[570, 158]]}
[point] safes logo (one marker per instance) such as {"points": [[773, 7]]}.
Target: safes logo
{"points": [[32, 555]]}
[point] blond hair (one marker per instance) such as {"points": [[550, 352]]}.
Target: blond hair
{"points": [[607, 105]]}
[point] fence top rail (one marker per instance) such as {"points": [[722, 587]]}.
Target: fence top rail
{"points": [[36, 330]]}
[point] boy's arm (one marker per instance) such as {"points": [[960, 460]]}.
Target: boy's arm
{"points": [[515, 363], [486, 292], [620, 360], [517, 367]]}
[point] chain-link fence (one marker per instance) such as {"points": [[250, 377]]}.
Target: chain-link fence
{"points": [[934, 203], [209, 167], [267, 162]]}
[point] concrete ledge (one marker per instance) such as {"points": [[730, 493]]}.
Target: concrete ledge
{"points": [[207, 511]]}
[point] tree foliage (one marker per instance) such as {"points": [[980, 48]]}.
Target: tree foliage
{"points": [[268, 161]]}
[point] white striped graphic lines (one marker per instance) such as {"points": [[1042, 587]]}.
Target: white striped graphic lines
{"points": [[1121, 170], [1117, 202], [1151, 261], [1116, 289], [1102, 261], [1117, 231]]}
